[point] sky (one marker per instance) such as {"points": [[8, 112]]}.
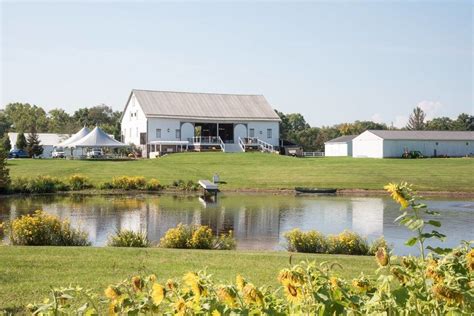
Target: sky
{"points": [[333, 62]]}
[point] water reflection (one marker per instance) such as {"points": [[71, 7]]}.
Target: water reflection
{"points": [[258, 221]]}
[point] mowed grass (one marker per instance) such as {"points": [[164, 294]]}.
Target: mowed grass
{"points": [[267, 171], [28, 273]]}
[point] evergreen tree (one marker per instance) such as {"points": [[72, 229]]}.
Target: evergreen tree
{"points": [[21, 141], [34, 147], [4, 172], [416, 122], [6, 144]]}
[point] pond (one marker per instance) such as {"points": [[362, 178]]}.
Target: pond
{"points": [[258, 221]]}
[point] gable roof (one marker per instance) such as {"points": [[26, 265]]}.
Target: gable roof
{"points": [[342, 139], [204, 106], [423, 135], [97, 138]]}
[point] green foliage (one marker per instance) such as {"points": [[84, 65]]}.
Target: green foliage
{"points": [[348, 243], [196, 237], [7, 145], [133, 183], [33, 147], [306, 242], [4, 172], [416, 121], [185, 185], [38, 184], [25, 117], [79, 182], [41, 229], [21, 142], [129, 238]]}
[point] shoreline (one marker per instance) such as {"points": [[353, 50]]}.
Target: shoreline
{"points": [[340, 192]]}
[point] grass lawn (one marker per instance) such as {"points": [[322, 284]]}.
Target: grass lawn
{"points": [[266, 171], [27, 273]]}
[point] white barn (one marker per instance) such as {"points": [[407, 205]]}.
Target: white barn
{"points": [[339, 147], [389, 143], [47, 140], [160, 121]]}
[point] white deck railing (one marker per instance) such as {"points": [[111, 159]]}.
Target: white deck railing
{"points": [[242, 144], [313, 154], [208, 140]]}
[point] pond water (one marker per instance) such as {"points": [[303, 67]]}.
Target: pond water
{"points": [[258, 221]]}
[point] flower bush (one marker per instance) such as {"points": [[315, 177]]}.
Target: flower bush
{"points": [[129, 238], [196, 237], [348, 243], [79, 182], [185, 185], [128, 183], [41, 229], [38, 184]]}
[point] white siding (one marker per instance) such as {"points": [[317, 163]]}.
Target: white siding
{"points": [[367, 145], [133, 122], [168, 128], [451, 148], [336, 149], [261, 131]]}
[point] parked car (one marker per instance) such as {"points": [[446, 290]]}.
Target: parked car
{"points": [[95, 153], [18, 153], [58, 154]]}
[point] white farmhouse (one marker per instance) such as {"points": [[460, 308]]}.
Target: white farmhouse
{"points": [[339, 147], [388, 143], [159, 122]]}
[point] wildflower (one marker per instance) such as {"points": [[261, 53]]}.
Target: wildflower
{"points": [[226, 296], [293, 293], [362, 284], [192, 280], [252, 295], [112, 308], [180, 306], [111, 293], [447, 294], [287, 275], [396, 191], [137, 283], [152, 278], [470, 260], [382, 257], [240, 282], [334, 282], [215, 313], [157, 294]]}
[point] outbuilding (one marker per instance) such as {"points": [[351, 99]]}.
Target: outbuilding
{"points": [[47, 140], [390, 143], [160, 122], [339, 147]]}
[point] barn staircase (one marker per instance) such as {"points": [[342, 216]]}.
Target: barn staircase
{"points": [[253, 143], [232, 148]]}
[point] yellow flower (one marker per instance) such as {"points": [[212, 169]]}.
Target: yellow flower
{"points": [[112, 309], [396, 191], [252, 295], [431, 271], [192, 280], [470, 260], [171, 285], [157, 294], [287, 275], [442, 292], [137, 283], [180, 306], [240, 282], [215, 313], [111, 293], [382, 257], [398, 273], [226, 296], [152, 278], [362, 284], [293, 293], [334, 282]]}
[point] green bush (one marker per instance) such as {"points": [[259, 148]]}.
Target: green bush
{"points": [[196, 237], [153, 185], [41, 229], [309, 242], [79, 182], [185, 185], [128, 183], [38, 184], [128, 238], [348, 243]]}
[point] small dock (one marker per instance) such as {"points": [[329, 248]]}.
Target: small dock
{"points": [[208, 186]]}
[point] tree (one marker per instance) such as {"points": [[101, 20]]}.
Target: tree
{"points": [[21, 142], [416, 121], [6, 144], [464, 122], [24, 117], [4, 172], [440, 124], [4, 123], [34, 147], [61, 122]]}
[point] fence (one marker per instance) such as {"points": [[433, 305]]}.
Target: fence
{"points": [[313, 154]]}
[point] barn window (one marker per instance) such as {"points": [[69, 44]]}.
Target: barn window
{"points": [[269, 133], [436, 143], [252, 132], [178, 134], [158, 133], [467, 144]]}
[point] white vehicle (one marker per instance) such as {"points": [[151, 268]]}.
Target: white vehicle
{"points": [[58, 154], [95, 153]]}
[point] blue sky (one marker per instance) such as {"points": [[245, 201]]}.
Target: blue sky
{"points": [[331, 61]]}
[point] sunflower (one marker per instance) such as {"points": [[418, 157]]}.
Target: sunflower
{"points": [[158, 293], [334, 282], [240, 282], [171, 285], [111, 293], [252, 295], [398, 194], [226, 296], [362, 284], [470, 260], [399, 274], [152, 278], [180, 306], [431, 271], [293, 293], [287, 275], [215, 313], [137, 283], [382, 257], [442, 292]]}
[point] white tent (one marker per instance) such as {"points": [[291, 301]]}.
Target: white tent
{"points": [[83, 132], [97, 138]]}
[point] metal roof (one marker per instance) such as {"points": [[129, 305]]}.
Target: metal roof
{"points": [[423, 135], [205, 106], [46, 139], [342, 139]]}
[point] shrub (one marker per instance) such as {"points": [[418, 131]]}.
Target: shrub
{"points": [[41, 229], [128, 183], [309, 242], [79, 182], [128, 238], [196, 237], [185, 185], [4, 172], [38, 184], [348, 243], [153, 185]]}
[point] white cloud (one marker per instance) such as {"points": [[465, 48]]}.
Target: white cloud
{"points": [[377, 118], [400, 121], [431, 108]]}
